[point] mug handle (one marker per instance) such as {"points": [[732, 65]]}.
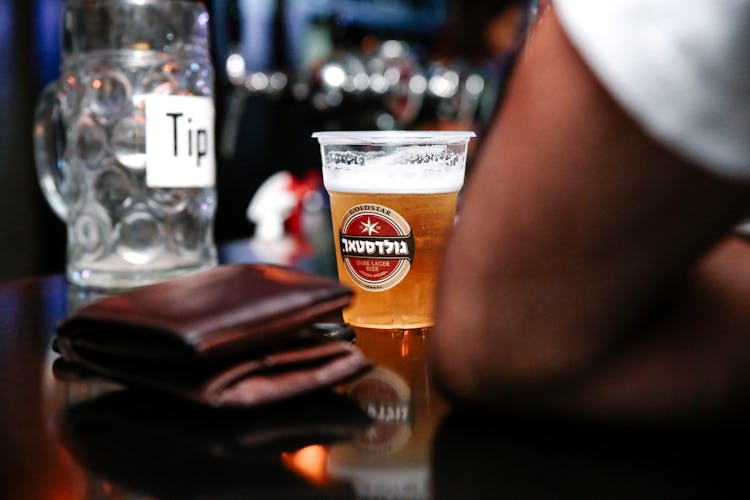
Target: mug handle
{"points": [[49, 137]]}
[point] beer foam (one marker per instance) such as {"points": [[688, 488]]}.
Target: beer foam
{"points": [[435, 168]]}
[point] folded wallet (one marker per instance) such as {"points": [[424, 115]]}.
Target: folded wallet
{"points": [[237, 335]]}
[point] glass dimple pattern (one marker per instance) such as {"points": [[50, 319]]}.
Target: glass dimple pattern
{"points": [[120, 223], [89, 141], [140, 237], [70, 96], [187, 232], [110, 94], [113, 189], [160, 80], [129, 141], [167, 201], [90, 232]]}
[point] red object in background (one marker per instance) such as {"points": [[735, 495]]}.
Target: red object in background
{"points": [[310, 182]]}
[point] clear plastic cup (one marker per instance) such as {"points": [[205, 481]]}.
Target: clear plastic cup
{"points": [[393, 203]]}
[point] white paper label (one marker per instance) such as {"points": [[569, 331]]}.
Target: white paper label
{"points": [[180, 141]]}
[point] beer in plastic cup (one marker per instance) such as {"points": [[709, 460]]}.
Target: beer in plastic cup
{"points": [[393, 203]]}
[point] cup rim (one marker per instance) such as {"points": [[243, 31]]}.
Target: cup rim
{"points": [[386, 137]]}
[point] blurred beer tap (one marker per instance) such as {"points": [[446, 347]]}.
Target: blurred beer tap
{"points": [[351, 74], [400, 70], [244, 84], [456, 91], [255, 82], [342, 76], [389, 88], [249, 51]]}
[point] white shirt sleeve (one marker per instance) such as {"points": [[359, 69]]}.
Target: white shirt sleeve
{"points": [[681, 68]]}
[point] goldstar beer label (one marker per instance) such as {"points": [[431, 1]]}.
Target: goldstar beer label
{"points": [[377, 246]]}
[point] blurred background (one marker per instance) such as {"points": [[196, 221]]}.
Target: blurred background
{"points": [[284, 68]]}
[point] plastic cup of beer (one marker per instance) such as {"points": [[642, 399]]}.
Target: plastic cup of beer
{"points": [[393, 204]]}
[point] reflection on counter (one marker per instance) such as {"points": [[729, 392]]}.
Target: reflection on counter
{"points": [[391, 457], [387, 399], [372, 438], [131, 442]]}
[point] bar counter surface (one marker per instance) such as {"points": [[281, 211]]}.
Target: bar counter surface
{"points": [[387, 434]]}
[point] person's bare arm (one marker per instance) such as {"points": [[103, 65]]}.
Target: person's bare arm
{"points": [[576, 228]]}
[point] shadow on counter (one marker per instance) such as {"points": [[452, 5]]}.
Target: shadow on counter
{"points": [[482, 456]]}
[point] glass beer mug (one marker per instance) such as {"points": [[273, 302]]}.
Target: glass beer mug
{"points": [[124, 141]]}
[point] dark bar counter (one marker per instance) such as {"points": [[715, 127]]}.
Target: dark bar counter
{"points": [[387, 434]]}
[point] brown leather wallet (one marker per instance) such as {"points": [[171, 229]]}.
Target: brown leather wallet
{"points": [[236, 335]]}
